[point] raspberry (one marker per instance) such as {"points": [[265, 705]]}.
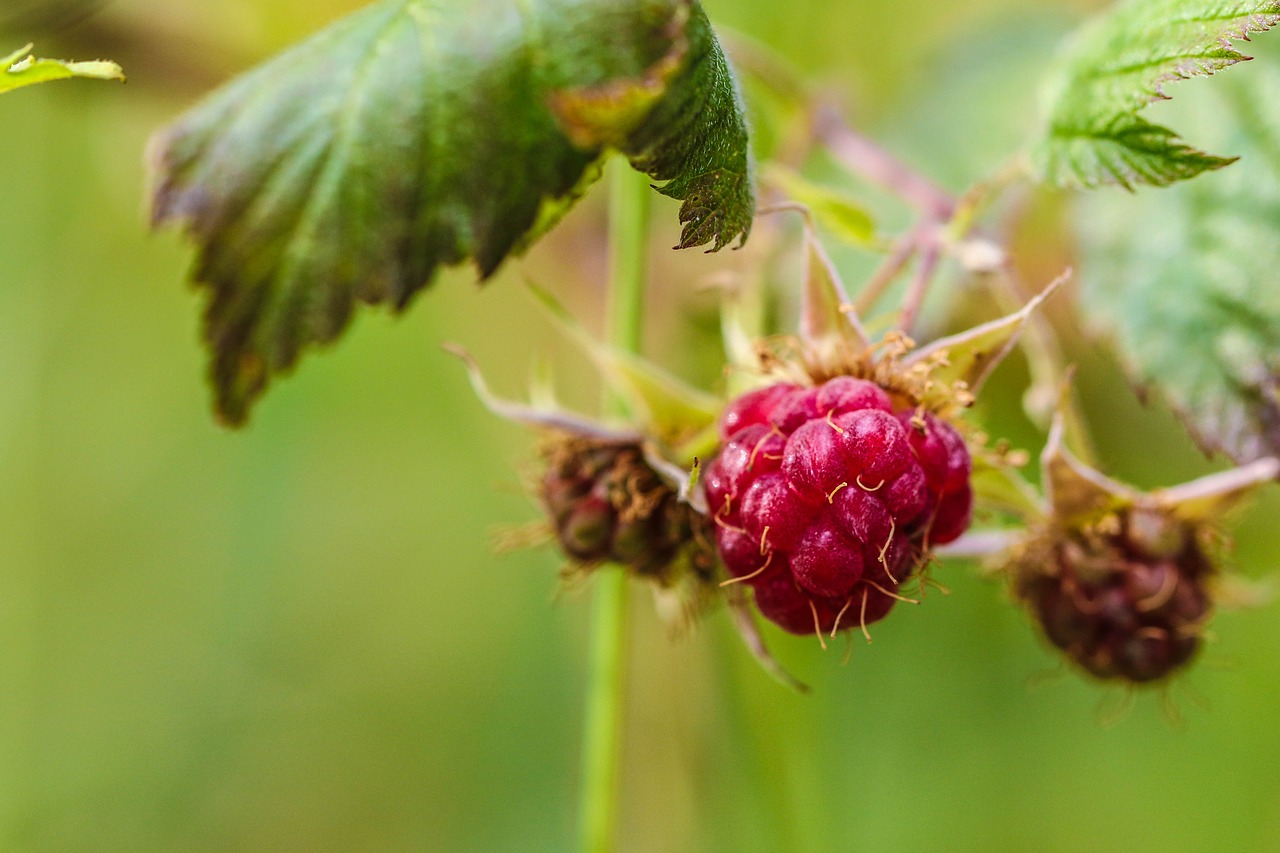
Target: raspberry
{"points": [[826, 498], [1124, 600], [607, 504]]}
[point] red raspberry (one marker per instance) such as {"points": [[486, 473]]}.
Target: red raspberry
{"points": [[826, 497]]}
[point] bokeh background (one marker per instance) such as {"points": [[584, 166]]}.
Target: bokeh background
{"points": [[299, 636]]}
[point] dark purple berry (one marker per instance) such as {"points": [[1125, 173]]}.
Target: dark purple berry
{"points": [[586, 531], [1124, 600], [605, 503]]}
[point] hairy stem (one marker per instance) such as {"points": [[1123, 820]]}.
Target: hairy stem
{"points": [[864, 157], [628, 231], [934, 206], [913, 300]]}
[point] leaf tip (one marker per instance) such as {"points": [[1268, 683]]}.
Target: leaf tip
{"points": [[238, 379], [157, 163]]}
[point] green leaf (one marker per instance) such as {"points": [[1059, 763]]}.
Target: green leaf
{"points": [[20, 68], [1120, 64], [832, 209], [1185, 279], [421, 133]]}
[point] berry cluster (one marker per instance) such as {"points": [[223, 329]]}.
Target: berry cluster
{"points": [[607, 504], [826, 498], [1125, 599]]}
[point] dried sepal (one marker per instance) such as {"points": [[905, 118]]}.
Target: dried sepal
{"points": [[664, 406], [749, 630], [827, 319], [543, 414], [1211, 497], [964, 361], [941, 377], [1075, 492]]}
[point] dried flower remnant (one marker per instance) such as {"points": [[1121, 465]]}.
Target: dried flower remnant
{"points": [[606, 503], [1122, 582]]}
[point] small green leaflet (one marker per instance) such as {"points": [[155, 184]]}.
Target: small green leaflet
{"points": [[419, 133], [832, 209], [1119, 64], [20, 69], [1185, 279]]}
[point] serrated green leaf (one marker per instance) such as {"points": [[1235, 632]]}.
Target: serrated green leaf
{"points": [[421, 133], [20, 68], [1120, 64], [1184, 279]]}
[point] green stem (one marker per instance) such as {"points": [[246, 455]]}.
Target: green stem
{"points": [[602, 747], [628, 250], [628, 232]]}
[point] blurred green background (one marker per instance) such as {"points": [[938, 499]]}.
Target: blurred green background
{"points": [[299, 636]]}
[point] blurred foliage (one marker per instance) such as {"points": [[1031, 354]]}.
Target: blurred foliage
{"points": [[21, 68], [1176, 274], [349, 168], [298, 637]]}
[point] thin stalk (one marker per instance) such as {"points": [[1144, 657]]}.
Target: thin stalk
{"points": [[899, 256], [601, 757], [863, 157], [913, 300], [628, 244]]}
